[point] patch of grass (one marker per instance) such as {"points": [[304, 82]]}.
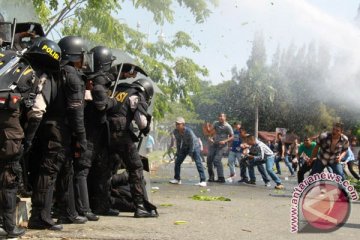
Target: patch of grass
{"points": [[166, 205], [180, 222], [356, 184], [210, 198]]}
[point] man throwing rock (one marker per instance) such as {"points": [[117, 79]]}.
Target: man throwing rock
{"points": [[187, 144]]}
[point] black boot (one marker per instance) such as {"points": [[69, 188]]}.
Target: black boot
{"points": [[221, 180], [71, 220], [81, 192], [8, 213], [90, 216], [3, 233], [41, 208], [35, 222], [82, 197], [109, 212], [68, 213], [142, 212], [16, 232]]}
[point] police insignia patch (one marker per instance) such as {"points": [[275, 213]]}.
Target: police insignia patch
{"points": [[120, 97]]}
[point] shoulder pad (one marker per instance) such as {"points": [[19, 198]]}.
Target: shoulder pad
{"points": [[94, 75], [69, 69], [101, 80], [124, 86]]}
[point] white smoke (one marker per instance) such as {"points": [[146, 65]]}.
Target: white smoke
{"points": [[301, 22]]}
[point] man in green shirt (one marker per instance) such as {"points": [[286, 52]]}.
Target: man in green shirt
{"points": [[304, 154]]}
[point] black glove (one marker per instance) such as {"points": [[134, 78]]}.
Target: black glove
{"points": [[30, 132], [148, 118], [146, 130], [27, 146]]}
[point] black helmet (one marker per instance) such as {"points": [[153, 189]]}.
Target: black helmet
{"points": [[146, 86], [44, 54], [72, 48], [102, 58]]}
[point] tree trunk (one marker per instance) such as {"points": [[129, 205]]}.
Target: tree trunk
{"points": [[256, 121]]}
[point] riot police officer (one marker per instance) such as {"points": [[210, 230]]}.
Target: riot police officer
{"points": [[25, 85], [96, 131], [103, 167], [67, 99], [132, 104]]}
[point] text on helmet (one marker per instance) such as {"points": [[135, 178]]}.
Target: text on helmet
{"points": [[51, 52]]}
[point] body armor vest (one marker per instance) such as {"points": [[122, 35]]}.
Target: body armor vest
{"points": [[56, 100], [121, 116]]}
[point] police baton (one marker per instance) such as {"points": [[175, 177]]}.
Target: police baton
{"points": [[140, 137], [13, 34], [117, 80], [144, 160]]}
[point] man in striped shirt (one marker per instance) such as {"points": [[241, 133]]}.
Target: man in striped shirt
{"points": [[334, 146]]}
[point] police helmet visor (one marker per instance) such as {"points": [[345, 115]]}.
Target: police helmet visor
{"points": [[88, 62]]}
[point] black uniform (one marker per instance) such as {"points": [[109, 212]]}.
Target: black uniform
{"points": [[97, 141], [122, 139], [11, 134], [12, 106], [63, 118], [121, 198]]}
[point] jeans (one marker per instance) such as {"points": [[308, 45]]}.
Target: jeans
{"points": [[215, 155], [181, 155], [319, 167], [304, 168], [287, 163], [243, 168], [233, 156], [294, 165], [350, 165], [261, 169], [269, 163]]}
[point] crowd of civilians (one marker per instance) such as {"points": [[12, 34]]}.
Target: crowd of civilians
{"points": [[330, 150]]}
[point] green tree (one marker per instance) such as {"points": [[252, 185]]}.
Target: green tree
{"points": [[96, 20], [223, 97], [255, 81]]}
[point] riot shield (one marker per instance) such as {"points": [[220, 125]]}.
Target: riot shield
{"points": [[5, 33], [22, 10]]}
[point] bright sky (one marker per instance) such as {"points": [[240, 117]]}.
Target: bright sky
{"points": [[225, 38]]}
